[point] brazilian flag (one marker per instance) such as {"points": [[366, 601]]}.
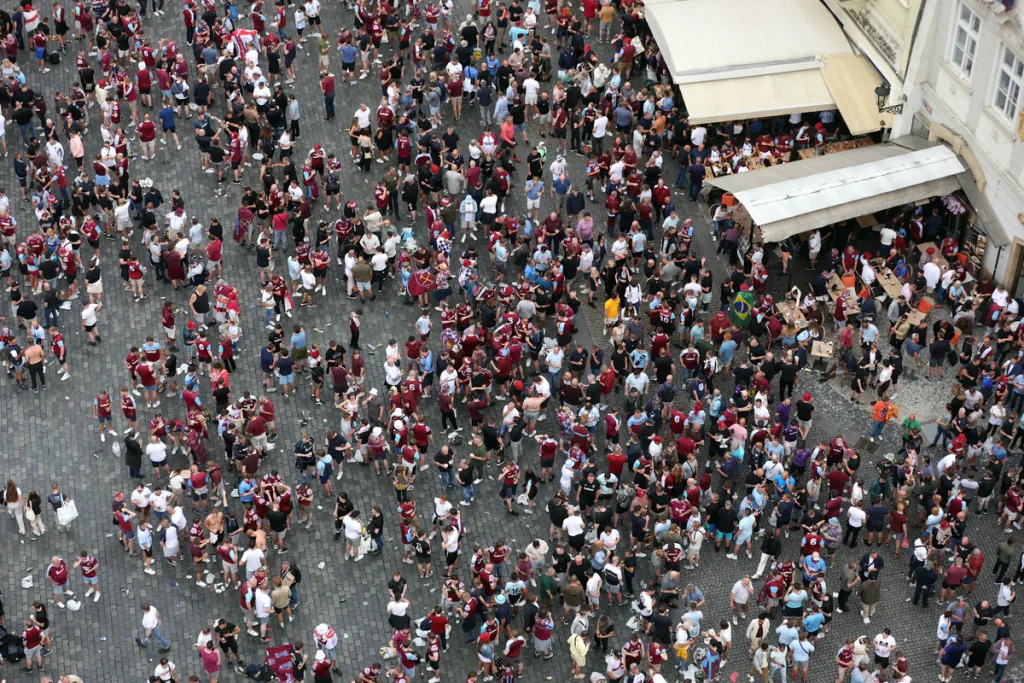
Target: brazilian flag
{"points": [[742, 308]]}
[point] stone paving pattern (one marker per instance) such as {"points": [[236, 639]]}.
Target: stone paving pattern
{"points": [[51, 437]]}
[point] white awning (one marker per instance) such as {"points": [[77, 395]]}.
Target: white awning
{"points": [[803, 195], [793, 36], [756, 96]]}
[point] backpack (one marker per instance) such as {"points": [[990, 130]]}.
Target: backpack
{"points": [[297, 573], [332, 182], [53, 58], [624, 495]]}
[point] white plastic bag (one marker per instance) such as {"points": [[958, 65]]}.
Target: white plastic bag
{"points": [[67, 513]]}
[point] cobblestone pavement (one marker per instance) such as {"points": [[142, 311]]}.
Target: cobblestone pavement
{"points": [[50, 437]]}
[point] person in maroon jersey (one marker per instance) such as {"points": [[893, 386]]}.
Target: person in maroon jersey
{"points": [[88, 566]]}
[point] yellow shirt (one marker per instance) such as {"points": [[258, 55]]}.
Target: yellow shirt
{"points": [[611, 309], [606, 14]]}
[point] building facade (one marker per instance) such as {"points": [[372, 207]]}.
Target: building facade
{"points": [[963, 86], [957, 67]]}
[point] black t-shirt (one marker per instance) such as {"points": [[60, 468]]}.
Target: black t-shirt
{"points": [[262, 257], [226, 632], [804, 410], [27, 309], [221, 396], [278, 520], [938, 349]]}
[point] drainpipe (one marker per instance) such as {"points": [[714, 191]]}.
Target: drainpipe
{"points": [[995, 268]]}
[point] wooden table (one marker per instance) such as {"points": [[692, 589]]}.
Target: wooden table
{"points": [[916, 317], [820, 349], [890, 284], [836, 286], [791, 312], [937, 258], [806, 153], [868, 221]]}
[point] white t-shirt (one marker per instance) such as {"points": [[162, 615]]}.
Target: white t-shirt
{"points": [[263, 603], [165, 672], [157, 452], [151, 618], [89, 315], [573, 525], [856, 517], [884, 645], [600, 127], [362, 117], [353, 528], [252, 559]]}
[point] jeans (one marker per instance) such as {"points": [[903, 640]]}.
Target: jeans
{"points": [[293, 598], [268, 314], [50, 315], [998, 672], [942, 432], [681, 179], [329, 105], [776, 668], [877, 426], [447, 478], [280, 239], [28, 132], [694, 193], [467, 493], [157, 636]]}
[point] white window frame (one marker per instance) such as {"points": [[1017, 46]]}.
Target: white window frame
{"points": [[1010, 91], [969, 28]]}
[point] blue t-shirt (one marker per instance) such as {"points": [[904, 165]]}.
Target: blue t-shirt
{"points": [[813, 622], [167, 117], [286, 366], [348, 54]]}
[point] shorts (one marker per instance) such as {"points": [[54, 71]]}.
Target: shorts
{"points": [[287, 379], [530, 98], [721, 534], [545, 118], [57, 590], [533, 203], [364, 286], [936, 362], [348, 66], [876, 528], [805, 424], [90, 580], [40, 53], [279, 535], [104, 419], [200, 494], [1010, 516]]}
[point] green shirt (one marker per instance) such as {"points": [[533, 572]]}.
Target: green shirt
{"points": [[548, 586]]}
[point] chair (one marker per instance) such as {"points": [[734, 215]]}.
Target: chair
{"points": [[925, 305]]}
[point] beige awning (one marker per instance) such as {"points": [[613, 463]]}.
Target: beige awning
{"points": [[803, 195], [851, 80], [757, 96], [793, 36]]}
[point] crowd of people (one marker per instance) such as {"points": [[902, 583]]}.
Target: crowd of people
{"points": [[668, 433]]}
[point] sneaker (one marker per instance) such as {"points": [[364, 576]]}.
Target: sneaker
{"points": [[149, 571], [201, 584], [96, 596], [867, 620]]}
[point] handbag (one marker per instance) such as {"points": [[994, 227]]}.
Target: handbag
{"points": [[30, 515], [67, 513]]}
